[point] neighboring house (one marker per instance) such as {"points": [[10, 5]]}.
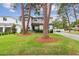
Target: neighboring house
{"points": [[26, 18], [6, 23], [37, 24]]}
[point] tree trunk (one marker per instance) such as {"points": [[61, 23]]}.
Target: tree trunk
{"points": [[69, 27], [63, 23], [47, 10], [22, 17], [74, 12], [29, 6]]}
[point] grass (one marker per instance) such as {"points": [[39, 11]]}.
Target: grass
{"points": [[19, 45], [76, 32]]}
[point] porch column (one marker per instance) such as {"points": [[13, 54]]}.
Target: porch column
{"points": [[3, 29]]}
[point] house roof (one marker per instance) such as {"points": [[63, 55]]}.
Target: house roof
{"points": [[41, 17], [35, 17], [9, 16]]}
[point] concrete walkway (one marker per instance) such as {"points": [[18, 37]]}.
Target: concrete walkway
{"points": [[73, 36]]}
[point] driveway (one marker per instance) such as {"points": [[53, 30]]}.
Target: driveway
{"points": [[73, 36]]}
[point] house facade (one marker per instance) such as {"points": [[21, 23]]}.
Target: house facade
{"points": [[6, 23], [37, 24]]}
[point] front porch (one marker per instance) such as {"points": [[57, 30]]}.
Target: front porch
{"points": [[5, 29], [39, 27]]}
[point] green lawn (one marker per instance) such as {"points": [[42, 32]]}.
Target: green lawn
{"points": [[76, 32], [14, 45]]}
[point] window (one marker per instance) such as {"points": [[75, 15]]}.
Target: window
{"points": [[35, 19], [4, 19]]}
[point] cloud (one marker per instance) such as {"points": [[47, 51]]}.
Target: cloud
{"points": [[12, 10], [8, 6]]}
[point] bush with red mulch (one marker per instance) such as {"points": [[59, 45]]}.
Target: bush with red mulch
{"points": [[27, 34], [47, 39]]}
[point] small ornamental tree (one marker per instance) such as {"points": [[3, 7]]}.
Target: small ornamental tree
{"points": [[13, 28]]}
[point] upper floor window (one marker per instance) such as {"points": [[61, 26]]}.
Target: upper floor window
{"points": [[4, 19], [35, 19]]}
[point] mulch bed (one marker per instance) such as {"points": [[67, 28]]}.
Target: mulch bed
{"points": [[47, 40], [27, 34]]}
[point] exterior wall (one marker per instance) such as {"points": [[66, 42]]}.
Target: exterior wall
{"points": [[8, 23], [9, 20], [30, 27], [41, 27], [18, 27], [38, 21]]}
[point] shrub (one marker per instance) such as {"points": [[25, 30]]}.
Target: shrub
{"points": [[13, 28]]}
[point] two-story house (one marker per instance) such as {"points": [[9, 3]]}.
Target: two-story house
{"points": [[37, 24], [6, 23]]}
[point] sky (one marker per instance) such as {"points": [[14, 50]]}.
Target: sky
{"points": [[5, 10]]}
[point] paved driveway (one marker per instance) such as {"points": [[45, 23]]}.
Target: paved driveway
{"points": [[73, 36]]}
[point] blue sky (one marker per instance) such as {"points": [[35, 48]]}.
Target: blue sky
{"points": [[6, 11]]}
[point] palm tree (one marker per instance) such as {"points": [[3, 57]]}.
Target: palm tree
{"points": [[47, 11]]}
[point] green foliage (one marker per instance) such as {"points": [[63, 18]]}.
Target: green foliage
{"points": [[36, 7], [13, 28], [58, 24], [5, 33], [63, 12], [64, 21], [37, 12], [74, 23]]}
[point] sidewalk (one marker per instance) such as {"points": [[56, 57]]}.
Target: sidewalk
{"points": [[73, 36]]}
